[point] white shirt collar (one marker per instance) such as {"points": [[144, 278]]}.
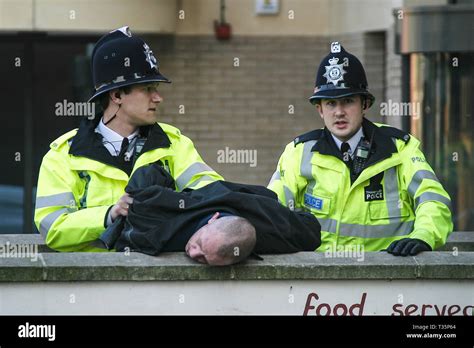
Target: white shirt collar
{"points": [[353, 141], [111, 139], [111, 135]]}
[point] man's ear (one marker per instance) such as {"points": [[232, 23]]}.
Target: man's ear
{"points": [[213, 218], [114, 95], [365, 103]]}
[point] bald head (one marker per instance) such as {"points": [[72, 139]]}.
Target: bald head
{"points": [[223, 241]]}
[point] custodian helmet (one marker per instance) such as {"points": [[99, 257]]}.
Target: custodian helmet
{"points": [[120, 59], [340, 74]]}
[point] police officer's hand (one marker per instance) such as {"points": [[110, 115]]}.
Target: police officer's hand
{"points": [[121, 207], [408, 246]]}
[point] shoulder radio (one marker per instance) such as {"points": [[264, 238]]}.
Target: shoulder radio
{"points": [[362, 154]]}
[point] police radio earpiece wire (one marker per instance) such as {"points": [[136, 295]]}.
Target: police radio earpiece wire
{"points": [[136, 144], [371, 140], [117, 95], [117, 152]]}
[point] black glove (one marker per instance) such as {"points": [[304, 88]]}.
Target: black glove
{"points": [[408, 246]]}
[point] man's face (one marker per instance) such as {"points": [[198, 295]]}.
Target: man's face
{"points": [[139, 106], [204, 244], [342, 116]]}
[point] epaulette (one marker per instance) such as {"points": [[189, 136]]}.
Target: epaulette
{"points": [[313, 135], [395, 133], [169, 129], [62, 139]]}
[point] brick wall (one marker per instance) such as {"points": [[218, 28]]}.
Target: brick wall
{"points": [[247, 107]]}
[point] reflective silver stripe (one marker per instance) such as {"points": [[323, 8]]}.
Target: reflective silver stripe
{"points": [[59, 199], [275, 176], [391, 193], [367, 231], [306, 166], [192, 170], [431, 196], [49, 220], [328, 225], [290, 199], [418, 178], [376, 231], [202, 178]]}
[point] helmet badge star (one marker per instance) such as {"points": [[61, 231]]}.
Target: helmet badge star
{"points": [[150, 58], [334, 72]]}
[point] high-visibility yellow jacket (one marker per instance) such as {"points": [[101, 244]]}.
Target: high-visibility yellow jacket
{"points": [[396, 196], [79, 181]]}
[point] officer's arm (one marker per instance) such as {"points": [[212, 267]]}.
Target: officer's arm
{"points": [[284, 181], [187, 167], [431, 202], [57, 217]]}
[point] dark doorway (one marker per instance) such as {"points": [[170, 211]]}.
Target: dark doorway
{"points": [[38, 71]]}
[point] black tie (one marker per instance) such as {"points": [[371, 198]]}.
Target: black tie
{"points": [[346, 157], [124, 147], [125, 163]]}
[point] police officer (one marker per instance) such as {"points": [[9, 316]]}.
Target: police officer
{"points": [[82, 177], [368, 184]]}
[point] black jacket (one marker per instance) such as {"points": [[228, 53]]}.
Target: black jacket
{"points": [[159, 214]]}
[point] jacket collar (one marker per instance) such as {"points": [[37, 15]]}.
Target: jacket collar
{"points": [[88, 143], [382, 145]]}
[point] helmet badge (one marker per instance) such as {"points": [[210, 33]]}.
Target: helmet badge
{"points": [[334, 72], [150, 58], [335, 47]]}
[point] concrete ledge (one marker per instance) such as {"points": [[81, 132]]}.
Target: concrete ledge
{"points": [[25, 239], [66, 267], [457, 241], [454, 263]]}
